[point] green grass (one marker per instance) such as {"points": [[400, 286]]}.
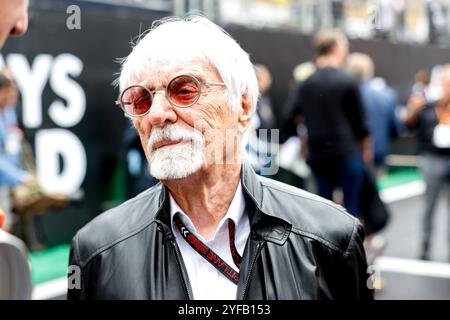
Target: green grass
{"points": [[49, 264], [399, 177]]}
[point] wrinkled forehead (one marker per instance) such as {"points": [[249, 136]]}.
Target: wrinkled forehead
{"points": [[161, 56], [159, 72]]}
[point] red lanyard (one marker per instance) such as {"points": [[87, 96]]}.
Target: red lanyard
{"points": [[209, 254]]}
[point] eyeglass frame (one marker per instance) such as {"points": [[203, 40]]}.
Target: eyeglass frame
{"points": [[152, 93]]}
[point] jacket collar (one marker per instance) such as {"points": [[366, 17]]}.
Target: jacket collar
{"points": [[264, 223]]}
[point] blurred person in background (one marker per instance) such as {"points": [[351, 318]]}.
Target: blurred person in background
{"points": [[400, 7], [138, 175], [303, 71], [381, 102], [13, 256], [293, 152], [422, 80], [13, 22], [431, 122], [385, 19], [300, 73], [13, 19], [12, 173], [437, 16], [339, 143], [260, 150], [264, 117], [212, 229], [337, 12]]}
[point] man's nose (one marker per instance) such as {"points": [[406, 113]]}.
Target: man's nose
{"points": [[21, 25], [161, 112]]}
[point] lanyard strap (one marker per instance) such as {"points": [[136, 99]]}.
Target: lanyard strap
{"points": [[208, 254], [234, 253]]}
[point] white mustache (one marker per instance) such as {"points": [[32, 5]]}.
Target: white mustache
{"points": [[172, 132]]}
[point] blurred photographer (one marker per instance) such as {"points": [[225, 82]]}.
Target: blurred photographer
{"points": [[431, 121]]}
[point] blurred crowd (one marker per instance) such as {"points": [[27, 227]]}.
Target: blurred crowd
{"points": [[344, 120], [393, 20]]}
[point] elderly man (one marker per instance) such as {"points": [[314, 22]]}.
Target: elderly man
{"points": [[212, 229]]}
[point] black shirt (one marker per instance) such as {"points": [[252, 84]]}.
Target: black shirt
{"points": [[427, 120], [333, 112]]}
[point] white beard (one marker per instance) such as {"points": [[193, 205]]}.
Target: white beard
{"points": [[175, 161]]}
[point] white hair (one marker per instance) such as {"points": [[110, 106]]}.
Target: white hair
{"points": [[195, 37]]}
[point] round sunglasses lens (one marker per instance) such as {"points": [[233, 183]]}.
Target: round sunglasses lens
{"points": [[136, 100], [183, 91]]}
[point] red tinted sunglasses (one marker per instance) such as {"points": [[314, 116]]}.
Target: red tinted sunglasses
{"points": [[182, 91]]}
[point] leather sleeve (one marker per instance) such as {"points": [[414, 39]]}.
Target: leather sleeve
{"points": [[76, 284], [356, 273]]}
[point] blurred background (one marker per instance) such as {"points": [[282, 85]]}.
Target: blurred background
{"points": [[86, 159]]}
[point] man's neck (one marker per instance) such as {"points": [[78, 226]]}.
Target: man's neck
{"points": [[328, 61], [206, 195]]}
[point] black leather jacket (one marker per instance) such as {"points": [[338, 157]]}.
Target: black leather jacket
{"points": [[300, 247]]}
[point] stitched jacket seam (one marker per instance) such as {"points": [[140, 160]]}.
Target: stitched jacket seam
{"points": [[352, 239], [318, 238]]}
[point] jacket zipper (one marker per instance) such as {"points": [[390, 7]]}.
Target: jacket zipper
{"points": [[252, 266], [177, 258], [180, 266]]}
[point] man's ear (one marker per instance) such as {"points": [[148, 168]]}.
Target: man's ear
{"points": [[246, 113]]}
